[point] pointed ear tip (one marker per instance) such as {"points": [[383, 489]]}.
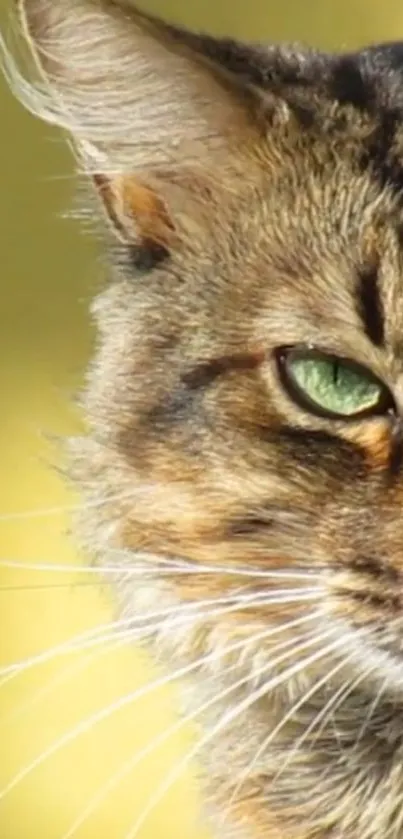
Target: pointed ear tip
{"points": [[37, 15]]}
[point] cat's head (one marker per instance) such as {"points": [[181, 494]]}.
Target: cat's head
{"points": [[246, 404]]}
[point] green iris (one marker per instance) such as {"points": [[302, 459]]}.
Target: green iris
{"points": [[332, 386]]}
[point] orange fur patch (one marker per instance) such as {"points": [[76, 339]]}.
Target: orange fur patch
{"points": [[375, 440], [136, 211]]}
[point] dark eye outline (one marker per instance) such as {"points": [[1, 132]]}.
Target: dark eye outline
{"points": [[283, 356]]}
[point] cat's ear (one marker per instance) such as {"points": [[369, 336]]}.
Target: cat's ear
{"points": [[387, 56], [141, 101]]}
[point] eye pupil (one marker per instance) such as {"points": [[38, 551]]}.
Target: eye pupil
{"points": [[335, 373], [335, 388]]}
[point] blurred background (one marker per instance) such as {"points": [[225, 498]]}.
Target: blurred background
{"points": [[58, 754]]}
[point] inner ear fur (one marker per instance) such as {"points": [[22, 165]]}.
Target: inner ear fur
{"points": [[136, 211]]}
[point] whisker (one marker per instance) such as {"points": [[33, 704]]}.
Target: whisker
{"points": [[229, 716], [155, 564], [361, 677], [336, 700], [324, 715], [96, 718], [72, 645], [125, 636], [271, 736], [296, 573], [68, 672], [135, 759], [330, 706], [281, 595], [49, 567], [48, 586], [371, 710], [193, 608], [78, 642], [63, 508]]}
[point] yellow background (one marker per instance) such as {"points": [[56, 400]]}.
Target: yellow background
{"points": [[47, 275]]}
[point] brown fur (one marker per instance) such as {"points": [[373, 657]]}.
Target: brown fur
{"points": [[273, 181]]}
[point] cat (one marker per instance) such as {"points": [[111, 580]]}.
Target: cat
{"points": [[244, 409]]}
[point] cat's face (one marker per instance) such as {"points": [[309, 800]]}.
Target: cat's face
{"points": [[257, 398], [244, 460], [247, 401]]}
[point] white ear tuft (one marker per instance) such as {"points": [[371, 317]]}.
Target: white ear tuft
{"points": [[133, 97]]}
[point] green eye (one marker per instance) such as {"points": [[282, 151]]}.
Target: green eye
{"points": [[332, 387]]}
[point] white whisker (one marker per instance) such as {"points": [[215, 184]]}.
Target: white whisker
{"points": [[232, 714], [135, 759], [154, 564], [334, 703], [187, 610], [199, 567], [61, 508], [86, 724], [78, 642], [68, 672], [371, 710], [271, 736]]}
